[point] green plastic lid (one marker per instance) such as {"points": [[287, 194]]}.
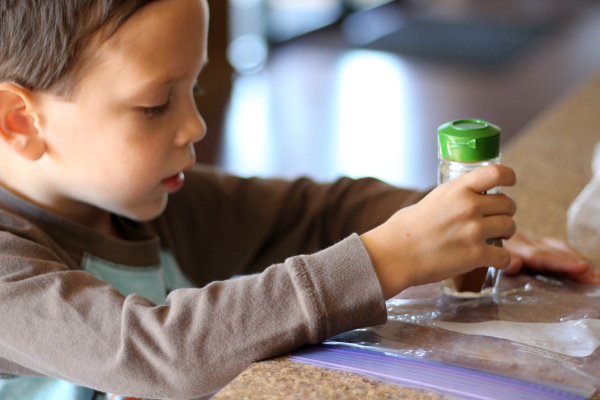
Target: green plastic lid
{"points": [[469, 140]]}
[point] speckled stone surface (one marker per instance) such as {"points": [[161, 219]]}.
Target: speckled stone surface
{"points": [[551, 157], [281, 378]]}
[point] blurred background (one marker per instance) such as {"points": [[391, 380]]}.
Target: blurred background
{"points": [[325, 88]]}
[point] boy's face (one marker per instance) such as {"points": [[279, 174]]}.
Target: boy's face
{"points": [[122, 143]]}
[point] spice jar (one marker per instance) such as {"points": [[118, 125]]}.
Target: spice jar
{"points": [[465, 145]]}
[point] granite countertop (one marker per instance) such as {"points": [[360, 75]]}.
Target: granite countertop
{"points": [[551, 157]]}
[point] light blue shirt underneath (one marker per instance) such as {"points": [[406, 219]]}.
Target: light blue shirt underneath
{"points": [[153, 282]]}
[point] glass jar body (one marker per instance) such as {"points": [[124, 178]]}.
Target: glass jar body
{"points": [[448, 169], [481, 281]]}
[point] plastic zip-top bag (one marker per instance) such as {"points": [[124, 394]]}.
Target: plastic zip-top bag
{"points": [[583, 216], [534, 338]]}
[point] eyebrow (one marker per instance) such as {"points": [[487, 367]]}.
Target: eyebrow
{"points": [[154, 85]]}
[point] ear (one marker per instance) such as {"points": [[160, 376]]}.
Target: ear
{"points": [[18, 128]]}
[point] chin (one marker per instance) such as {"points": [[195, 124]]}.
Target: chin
{"points": [[146, 212]]}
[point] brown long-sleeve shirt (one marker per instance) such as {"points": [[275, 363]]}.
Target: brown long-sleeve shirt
{"points": [[307, 277]]}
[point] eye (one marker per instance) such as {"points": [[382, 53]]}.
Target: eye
{"points": [[198, 91], [157, 111]]}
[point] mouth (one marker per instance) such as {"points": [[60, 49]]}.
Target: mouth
{"points": [[174, 183]]}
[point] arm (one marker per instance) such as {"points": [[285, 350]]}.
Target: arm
{"points": [[193, 344], [58, 321], [221, 225]]}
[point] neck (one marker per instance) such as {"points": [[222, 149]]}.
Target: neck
{"points": [[26, 179], [94, 218]]}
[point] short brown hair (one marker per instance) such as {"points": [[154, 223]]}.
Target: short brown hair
{"points": [[42, 41]]}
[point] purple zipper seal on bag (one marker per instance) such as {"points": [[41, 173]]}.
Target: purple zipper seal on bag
{"points": [[438, 377]]}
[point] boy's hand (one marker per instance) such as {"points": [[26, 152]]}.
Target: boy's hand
{"points": [[445, 234], [547, 254]]}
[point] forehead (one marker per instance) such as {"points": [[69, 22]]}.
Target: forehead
{"points": [[165, 39]]}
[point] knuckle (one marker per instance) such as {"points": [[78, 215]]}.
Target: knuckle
{"points": [[470, 208], [473, 232], [476, 253]]}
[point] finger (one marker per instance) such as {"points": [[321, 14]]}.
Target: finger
{"points": [[495, 257], [561, 246], [548, 254], [590, 277], [500, 203], [498, 227], [529, 247], [578, 270], [488, 177], [515, 265], [543, 261]]}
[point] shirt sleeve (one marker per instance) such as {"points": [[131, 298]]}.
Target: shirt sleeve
{"points": [[316, 280], [222, 225], [58, 321]]}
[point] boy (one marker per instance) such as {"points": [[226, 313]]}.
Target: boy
{"points": [[97, 125]]}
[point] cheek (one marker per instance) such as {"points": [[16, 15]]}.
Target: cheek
{"points": [[75, 135], [108, 149], [136, 167]]}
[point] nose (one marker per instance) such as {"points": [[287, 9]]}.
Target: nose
{"points": [[193, 128]]}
